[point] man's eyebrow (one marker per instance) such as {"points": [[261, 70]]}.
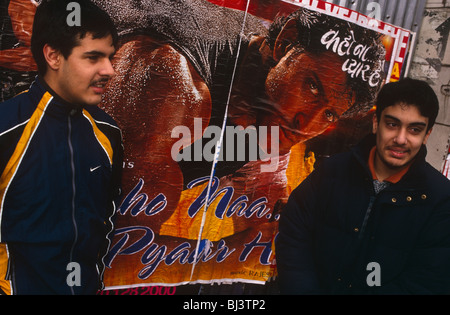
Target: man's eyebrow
{"points": [[391, 117], [94, 53], [97, 53], [418, 123]]}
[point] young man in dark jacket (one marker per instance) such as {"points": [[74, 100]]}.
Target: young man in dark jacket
{"points": [[375, 220], [60, 158]]}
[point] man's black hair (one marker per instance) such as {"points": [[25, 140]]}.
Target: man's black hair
{"points": [[312, 25], [409, 92], [50, 27]]}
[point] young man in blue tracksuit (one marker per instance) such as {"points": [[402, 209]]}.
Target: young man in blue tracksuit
{"points": [[375, 220], [60, 159]]}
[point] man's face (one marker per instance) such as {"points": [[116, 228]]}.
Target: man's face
{"points": [[400, 133], [308, 93], [81, 78]]}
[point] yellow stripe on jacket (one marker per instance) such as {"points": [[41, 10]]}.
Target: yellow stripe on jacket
{"points": [[101, 138], [5, 285], [21, 147]]}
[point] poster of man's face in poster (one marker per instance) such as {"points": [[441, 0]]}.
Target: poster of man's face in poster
{"points": [[225, 107]]}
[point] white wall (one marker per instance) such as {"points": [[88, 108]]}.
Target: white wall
{"points": [[431, 62]]}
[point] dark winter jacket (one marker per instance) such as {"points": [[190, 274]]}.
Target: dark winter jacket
{"points": [[60, 179], [337, 236]]}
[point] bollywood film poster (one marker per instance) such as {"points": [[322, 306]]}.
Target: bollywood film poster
{"points": [[225, 107]]}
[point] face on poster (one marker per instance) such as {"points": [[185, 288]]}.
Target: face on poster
{"points": [[225, 107]]}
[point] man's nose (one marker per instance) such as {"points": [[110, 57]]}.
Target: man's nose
{"points": [[401, 137], [107, 68]]}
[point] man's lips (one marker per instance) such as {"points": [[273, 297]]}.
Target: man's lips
{"points": [[398, 153], [99, 86]]}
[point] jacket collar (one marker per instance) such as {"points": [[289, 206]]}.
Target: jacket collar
{"points": [[59, 106], [392, 179]]}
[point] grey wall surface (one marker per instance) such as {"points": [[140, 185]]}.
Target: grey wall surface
{"points": [[431, 62], [405, 13]]}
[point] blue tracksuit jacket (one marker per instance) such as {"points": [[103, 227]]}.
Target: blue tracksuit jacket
{"points": [[60, 172]]}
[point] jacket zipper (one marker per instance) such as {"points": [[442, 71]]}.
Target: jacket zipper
{"points": [[72, 166]]}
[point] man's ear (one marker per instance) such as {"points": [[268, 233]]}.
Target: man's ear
{"points": [[425, 140], [374, 124], [52, 57], [285, 40]]}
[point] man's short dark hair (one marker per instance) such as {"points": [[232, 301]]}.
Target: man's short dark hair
{"points": [[412, 92], [50, 27], [312, 25]]}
